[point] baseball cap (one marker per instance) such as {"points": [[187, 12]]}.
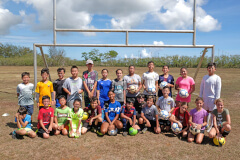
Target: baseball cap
{"points": [[89, 61]]}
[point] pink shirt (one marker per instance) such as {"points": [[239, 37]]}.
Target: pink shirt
{"points": [[185, 83]]}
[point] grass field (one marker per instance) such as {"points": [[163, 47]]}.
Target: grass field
{"points": [[90, 146]]}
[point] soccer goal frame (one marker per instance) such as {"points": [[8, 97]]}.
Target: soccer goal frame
{"points": [[127, 31]]}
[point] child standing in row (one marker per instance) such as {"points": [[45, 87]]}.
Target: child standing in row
{"points": [[167, 78], [165, 103], [89, 78], [118, 87], [73, 86], [184, 82], [44, 88], [25, 92]]}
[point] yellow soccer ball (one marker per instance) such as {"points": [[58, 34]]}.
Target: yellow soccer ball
{"points": [[220, 142], [85, 116]]}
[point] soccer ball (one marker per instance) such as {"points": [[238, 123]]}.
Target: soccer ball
{"points": [[85, 116], [175, 128], [133, 131], [164, 115], [113, 132], [163, 84], [132, 89], [183, 93], [220, 142], [193, 130], [151, 89]]}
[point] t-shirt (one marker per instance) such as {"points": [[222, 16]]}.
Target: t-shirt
{"points": [[210, 87], [118, 87], [62, 115], [92, 112], [182, 117], [45, 115], [73, 86], [166, 103], [129, 113], [44, 89], [150, 81], [150, 112], [221, 117], [25, 92], [131, 81], [58, 88], [26, 119], [185, 83], [198, 116], [113, 109], [75, 117], [169, 80], [89, 78], [104, 86]]}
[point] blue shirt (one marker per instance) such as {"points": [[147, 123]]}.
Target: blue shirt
{"points": [[26, 119], [170, 80], [113, 109], [104, 86]]}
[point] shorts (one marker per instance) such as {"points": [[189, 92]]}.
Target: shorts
{"points": [[209, 104], [86, 101], [57, 103], [41, 130], [26, 129], [153, 124], [29, 109], [103, 114], [164, 122], [86, 125]]}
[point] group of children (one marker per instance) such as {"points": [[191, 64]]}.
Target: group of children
{"points": [[118, 104]]}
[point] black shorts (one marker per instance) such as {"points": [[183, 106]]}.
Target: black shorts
{"points": [[153, 124], [86, 125], [164, 122], [41, 130]]}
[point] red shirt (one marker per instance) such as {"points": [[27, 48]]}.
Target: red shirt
{"points": [[45, 115], [182, 117], [92, 112]]}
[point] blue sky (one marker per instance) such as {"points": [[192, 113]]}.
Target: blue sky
{"points": [[24, 22]]}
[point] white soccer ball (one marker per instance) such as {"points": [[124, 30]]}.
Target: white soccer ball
{"points": [[151, 89], [183, 93], [193, 130], [176, 128], [132, 89], [163, 84], [164, 115], [113, 132]]}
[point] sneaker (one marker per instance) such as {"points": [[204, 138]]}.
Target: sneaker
{"points": [[144, 130], [14, 135], [93, 129], [99, 133], [19, 136], [125, 133]]}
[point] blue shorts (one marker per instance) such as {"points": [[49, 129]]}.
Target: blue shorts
{"points": [[103, 114], [29, 109], [57, 103]]}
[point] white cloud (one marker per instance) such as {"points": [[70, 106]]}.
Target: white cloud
{"points": [[8, 20], [145, 54], [158, 43]]}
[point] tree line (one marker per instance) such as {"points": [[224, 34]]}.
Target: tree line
{"points": [[12, 55]]}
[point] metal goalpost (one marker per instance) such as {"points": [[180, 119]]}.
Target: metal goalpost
{"points": [[127, 31]]}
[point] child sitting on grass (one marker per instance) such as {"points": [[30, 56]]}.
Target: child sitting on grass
{"points": [[24, 124]]}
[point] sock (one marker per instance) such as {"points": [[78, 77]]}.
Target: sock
{"points": [[225, 133]]}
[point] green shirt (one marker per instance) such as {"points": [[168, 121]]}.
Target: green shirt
{"points": [[221, 117], [75, 117], [62, 115]]}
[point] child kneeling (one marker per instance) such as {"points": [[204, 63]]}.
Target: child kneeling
{"points": [[112, 111], [149, 116], [94, 120], [24, 124]]}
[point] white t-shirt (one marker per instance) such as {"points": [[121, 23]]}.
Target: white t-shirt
{"points": [[150, 80], [25, 94], [210, 87]]}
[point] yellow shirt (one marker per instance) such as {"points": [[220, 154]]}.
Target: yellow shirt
{"points": [[44, 89]]}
